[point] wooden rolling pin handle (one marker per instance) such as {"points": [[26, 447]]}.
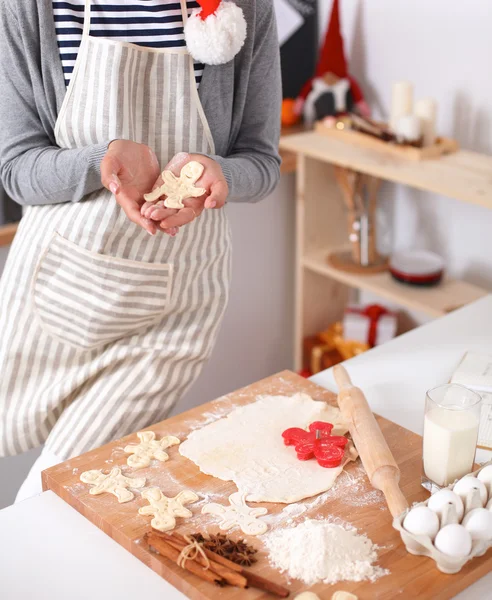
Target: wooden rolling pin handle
{"points": [[342, 377], [387, 479], [376, 457]]}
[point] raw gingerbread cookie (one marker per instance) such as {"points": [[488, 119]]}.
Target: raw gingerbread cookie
{"points": [[149, 448], [112, 483], [238, 513], [177, 189], [165, 510], [341, 595]]}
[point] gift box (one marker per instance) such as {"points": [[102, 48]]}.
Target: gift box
{"points": [[373, 324], [328, 348]]}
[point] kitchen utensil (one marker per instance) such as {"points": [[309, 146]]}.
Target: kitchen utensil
{"points": [[381, 468]]}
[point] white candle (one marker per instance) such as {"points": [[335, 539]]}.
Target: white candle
{"points": [[401, 101], [426, 110], [409, 128]]}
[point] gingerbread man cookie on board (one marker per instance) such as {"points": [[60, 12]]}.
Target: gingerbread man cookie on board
{"points": [[165, 510], [149, 448], [113, 482], [238, 513]]}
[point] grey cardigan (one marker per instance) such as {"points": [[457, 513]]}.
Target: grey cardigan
{"points": [[241, 100]]}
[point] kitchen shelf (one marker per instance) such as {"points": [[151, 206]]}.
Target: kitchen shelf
{"points": [[7, 233], [289, 158], [463, 175], [433, 301], [322, 291]]}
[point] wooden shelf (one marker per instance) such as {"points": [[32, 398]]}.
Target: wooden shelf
{"points": [[463, 175], [289, 159], [7, 234], [289, 162], [433, 301]]}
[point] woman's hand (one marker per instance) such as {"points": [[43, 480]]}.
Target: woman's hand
{"points": [[212, 180], [129, 170]]}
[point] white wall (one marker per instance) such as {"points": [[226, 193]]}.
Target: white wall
{"points": [[445, 48]]}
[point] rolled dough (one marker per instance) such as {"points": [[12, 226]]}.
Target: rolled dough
{"points": [[247, 447]]}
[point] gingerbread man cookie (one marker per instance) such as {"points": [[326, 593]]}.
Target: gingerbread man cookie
{"points": [[165, 510], [112, 483], [238, 513], [177, 189], [149, 448]]}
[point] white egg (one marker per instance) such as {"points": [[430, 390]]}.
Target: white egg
{"points": [[440, 499], [422, 521], [485, 476], [467, 483], [479, 523], [454, 540]]}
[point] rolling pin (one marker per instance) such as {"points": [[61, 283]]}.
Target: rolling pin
{"points": [[376, 457]]}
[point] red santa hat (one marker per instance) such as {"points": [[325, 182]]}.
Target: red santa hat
{"points": [[332, 60], [215, 32]]}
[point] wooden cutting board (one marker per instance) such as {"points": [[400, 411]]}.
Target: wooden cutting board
{"points": [[352, 499]]}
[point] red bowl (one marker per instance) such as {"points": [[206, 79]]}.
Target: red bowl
{"points": [[417, 267]]}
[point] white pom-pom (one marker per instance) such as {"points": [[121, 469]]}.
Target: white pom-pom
{"points": [[217, 39]]}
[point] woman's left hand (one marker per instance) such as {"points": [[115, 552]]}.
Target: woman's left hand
{"points": [[212, 180]]}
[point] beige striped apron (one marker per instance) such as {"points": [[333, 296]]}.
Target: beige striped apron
{"points": [[103, 327]]}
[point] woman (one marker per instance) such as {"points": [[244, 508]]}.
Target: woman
{"points": [[105, 320]]}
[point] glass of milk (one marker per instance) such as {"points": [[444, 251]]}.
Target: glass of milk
{"points": [[452, 418]]}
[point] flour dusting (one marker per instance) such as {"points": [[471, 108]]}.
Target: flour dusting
{"points": [[352, 488], [325, 551]]}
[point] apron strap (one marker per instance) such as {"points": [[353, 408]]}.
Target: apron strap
{"points": [[184, 11], [87, 18]]}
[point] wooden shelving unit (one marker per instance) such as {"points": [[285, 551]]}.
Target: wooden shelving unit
{"points": [[321, 226]]}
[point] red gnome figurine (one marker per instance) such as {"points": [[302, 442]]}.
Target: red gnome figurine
{"points": [[332, 91]]}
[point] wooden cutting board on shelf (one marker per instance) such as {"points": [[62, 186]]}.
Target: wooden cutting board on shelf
{"points": [[351, 499]]}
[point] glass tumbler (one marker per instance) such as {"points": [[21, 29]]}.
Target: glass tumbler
{"points": [[451, 423]]}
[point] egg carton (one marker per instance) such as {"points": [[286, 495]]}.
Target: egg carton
{"points": [[421, 545]]}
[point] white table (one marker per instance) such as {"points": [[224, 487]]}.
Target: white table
{"points": [[44, 542]]}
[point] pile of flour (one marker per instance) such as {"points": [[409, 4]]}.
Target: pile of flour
{"points": [[321, 551]]}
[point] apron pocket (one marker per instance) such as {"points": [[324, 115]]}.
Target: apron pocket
{"points": [[87, 300]]}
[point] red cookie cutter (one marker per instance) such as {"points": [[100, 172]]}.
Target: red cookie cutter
{"points": [[318, 442]]}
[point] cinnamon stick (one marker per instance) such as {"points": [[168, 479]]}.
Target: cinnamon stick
{"points": [[232, 576], [163, 547], [260, 583], [253, 579]]}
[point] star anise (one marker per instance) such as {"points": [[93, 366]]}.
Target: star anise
{"points": [[238, 552]]}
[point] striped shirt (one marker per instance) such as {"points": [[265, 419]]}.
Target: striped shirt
{"points": [[148, 23]]}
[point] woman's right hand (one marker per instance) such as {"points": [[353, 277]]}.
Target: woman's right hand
{"points": [[129, 170]]}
